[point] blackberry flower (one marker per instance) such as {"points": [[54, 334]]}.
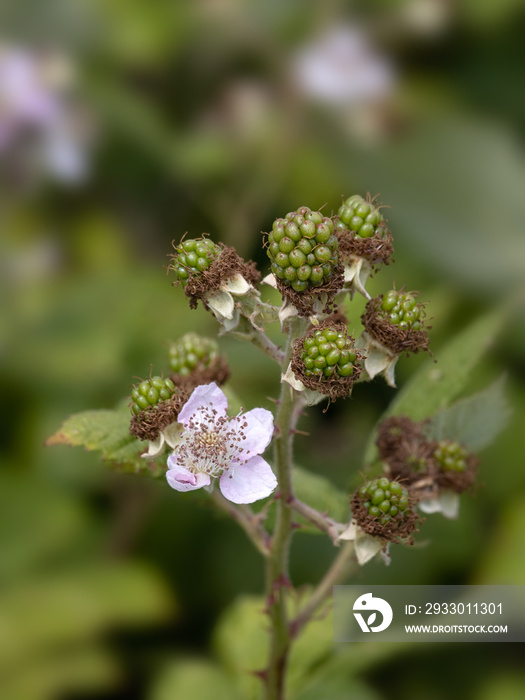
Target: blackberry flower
{"points": [[215, 446]]}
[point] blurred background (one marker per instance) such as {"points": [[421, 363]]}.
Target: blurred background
{"points": [[122, 126]]}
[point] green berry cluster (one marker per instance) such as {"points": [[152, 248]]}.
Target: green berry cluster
{"points": [[400, 309], [302, 248], [362, 217], [328, 352], [151, 392], [193, 256], [384, 500], [451, 457], [192, 351]]}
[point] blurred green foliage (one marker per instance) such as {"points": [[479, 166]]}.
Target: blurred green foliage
{"points": [[201, 129]]}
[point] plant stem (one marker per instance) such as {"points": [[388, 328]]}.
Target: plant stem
{"points": [[259, 339], [248, 520], [277, 577], [337, 573], [321, 521]]}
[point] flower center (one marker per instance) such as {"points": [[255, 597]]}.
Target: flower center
{"points": [[210, 443]]}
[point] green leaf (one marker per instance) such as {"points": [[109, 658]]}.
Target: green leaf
{"points": [[86, 670], [52, 613], [321, 494], [437, 384], [503, 560], [193, 679], [241, 643], [474, 422], [39, 522], [107, 431], [336, 688]]}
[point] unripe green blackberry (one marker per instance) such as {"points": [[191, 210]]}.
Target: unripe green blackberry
{"points": [[384, 500], [362, 217], [193, 256], [302, 249], [400, 309], [328, 352], [451, 456], [192, 351], [151, 392]]}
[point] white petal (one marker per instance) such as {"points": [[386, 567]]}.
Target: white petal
{"points": [[173, 434], [292, 380], [207, 396], [376, 361], [236, 285], [449, 504], [229, 324], [155, 447], [181, 479], [350, 532], [221, 303], [312, 398], [446, 503], [286, 312], [246, 483], [350, 272], [390, 372], [270, 281], [363, 270], [385, 554], [255, 430], [366, 547]]}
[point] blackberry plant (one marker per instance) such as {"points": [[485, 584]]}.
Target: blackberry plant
{"points": [[180, 428]]}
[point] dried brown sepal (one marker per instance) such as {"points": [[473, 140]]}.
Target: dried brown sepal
{"points": [[304, 301], [399, 529], [453, 480], [376, 249], [147, 424], [404, 447], [409, 454], [217, 371], [227, 264], [398, 340], [336, 317], [335, 386]]}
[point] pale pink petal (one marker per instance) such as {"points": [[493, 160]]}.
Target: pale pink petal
{"points": [[207, 396], [181, 479], [255, 429], [249, 482]]}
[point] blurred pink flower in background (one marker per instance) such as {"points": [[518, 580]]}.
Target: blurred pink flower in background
{"points": [[341, 68], [37, 115]]}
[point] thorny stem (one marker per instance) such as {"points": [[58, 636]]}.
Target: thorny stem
{"points": [[337, 573], [260, 340], [321, 521], [248, 520], [277, 577]]}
